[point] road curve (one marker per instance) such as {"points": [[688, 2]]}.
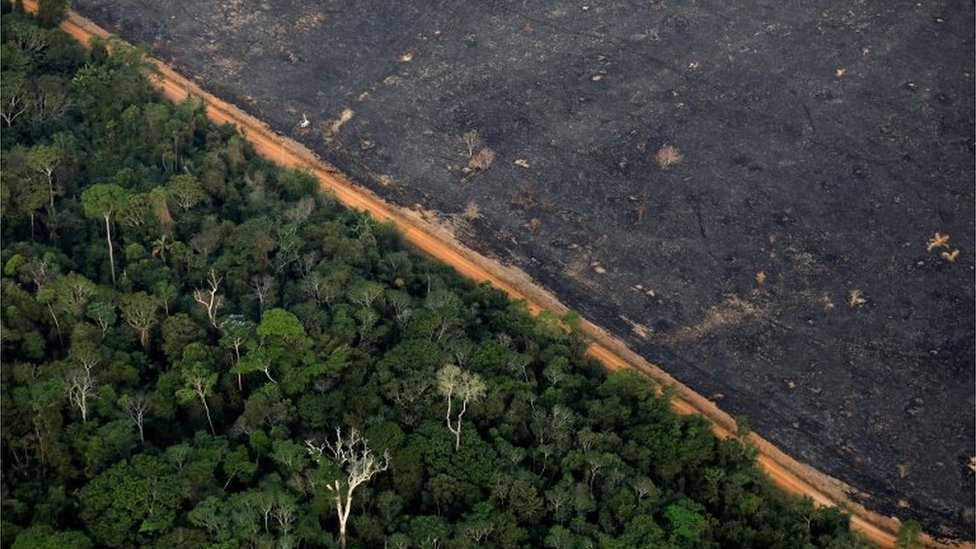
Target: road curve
{"points": [[439, 243]]}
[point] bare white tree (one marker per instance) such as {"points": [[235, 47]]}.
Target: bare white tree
{"points": [[135, 408], [209, 298], [471, 140], [80, 385], [468, 387], [353, 454], [262, 287], [14, 99]]}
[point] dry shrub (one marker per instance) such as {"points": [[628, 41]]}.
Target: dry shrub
{"points": [[482, 159], [471, 211], [526, 198], [668, 156]]}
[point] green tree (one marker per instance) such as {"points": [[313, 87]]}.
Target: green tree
{"points": [[131, 500], [179, 331], [139, 311], [909, 535], [51, 12], [45, 159], [281, 324], [186, 191], [43, 537]]}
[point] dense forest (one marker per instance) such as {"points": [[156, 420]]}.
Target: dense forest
{"points": [[201, 349]]}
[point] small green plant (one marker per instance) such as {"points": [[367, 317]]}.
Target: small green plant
{"points": [[909, 536]]}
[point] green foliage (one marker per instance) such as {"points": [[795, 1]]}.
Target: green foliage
{"points": [[51, 12], [909, 535], [132, 501], [43, 537], [325, 319]]}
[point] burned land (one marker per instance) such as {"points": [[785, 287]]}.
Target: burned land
{"points": [[774, 202]]}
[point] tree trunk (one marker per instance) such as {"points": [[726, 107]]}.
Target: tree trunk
{"points": [[237, 360], [32, 226], [108, 237], [457, 434], [142, 436], [57, 325], [343, 513], [207, 409], [50, 191]]}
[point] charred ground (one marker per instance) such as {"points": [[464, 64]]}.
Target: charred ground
{"points": [[822, 145]]}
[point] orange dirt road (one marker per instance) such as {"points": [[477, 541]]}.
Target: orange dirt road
{"points": [[439, 242]]}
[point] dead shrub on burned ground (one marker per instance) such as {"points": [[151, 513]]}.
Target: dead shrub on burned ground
{"points": [[668, 156], [526, 197]]}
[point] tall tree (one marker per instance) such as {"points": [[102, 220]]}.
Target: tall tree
{"points": [[45, 159], [139, 311], [235, 332], [198, 378], [102, 200], [186, 191], [14, 97], [468, 387], [360, 464], [135, 407], [209, 299]]}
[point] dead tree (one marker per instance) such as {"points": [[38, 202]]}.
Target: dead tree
{"points": [[209, 298], [353, 454], [80, 385], [262, 287], [135, 408]]}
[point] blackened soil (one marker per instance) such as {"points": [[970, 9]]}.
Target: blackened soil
{"points": [[823, 144]]}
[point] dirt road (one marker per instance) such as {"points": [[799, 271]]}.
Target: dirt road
{"points": [[439, 243]]}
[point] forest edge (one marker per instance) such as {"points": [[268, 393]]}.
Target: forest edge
{"points": [[438, 242]]}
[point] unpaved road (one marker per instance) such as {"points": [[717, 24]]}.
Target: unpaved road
{"points": [[440, 244]]}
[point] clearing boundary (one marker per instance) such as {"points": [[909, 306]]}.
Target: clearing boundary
{"points": [[438, 242]]}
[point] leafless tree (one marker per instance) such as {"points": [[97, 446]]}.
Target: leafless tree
{"points": [[51, 103], [209, 298], [400, 301], [285, 515], [262, 288], [353, 454], [410, 391], [13, 100], [40, 271], [471, 140], [135, 408], [468, 387], [80, 384], [313, 286]]}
